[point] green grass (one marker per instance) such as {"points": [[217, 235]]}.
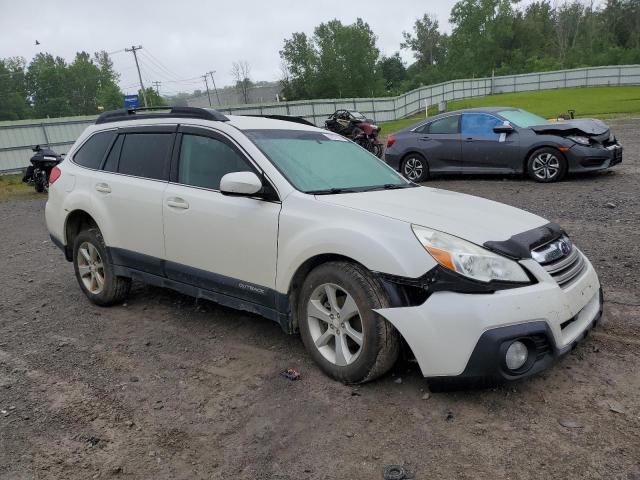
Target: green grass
{"points": [[11, 187], [601, 102]]}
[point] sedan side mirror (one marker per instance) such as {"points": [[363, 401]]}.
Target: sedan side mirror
{"points": [[504, 128], [240, 183]]}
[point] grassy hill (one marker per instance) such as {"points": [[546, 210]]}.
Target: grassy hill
{"points": [[600, 102]]}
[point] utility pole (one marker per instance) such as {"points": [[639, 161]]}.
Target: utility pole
{"points": [[214, 87], [207, 85], [133, 50], [157, 85]]}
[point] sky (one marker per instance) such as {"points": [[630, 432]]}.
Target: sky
{"points": [[184, 39]]}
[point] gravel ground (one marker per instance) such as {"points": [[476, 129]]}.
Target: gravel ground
{"points": [[166, 387]]}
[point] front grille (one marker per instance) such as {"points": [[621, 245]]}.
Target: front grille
{"points": [[561, 260]]}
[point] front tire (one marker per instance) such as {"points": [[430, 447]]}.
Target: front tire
{"points": [[339, 328], [546, 165], [94, 271], [415, 168]]}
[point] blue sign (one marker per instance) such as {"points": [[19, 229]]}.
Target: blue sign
{"points": [[131, 101]]}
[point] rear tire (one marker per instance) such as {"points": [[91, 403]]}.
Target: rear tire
{"points": [[415, 168], [94, 270], [546, 165], [358, 347]]}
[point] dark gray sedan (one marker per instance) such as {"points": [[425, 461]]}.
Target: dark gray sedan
{"points": [[501, 140]]}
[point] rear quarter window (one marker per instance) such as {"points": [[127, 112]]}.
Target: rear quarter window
{"points": [[145, 155], [92, 152]]}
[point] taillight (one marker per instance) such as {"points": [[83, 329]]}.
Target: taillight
{"points": [[54, 175], [390, 140]]}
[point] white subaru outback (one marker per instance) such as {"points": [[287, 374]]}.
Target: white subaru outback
{"points": [[310, 230]]}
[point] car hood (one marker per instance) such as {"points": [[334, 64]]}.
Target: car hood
{"points": [[473, 218], [585, 126]]}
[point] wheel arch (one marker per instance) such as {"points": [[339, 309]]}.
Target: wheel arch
{"points": [[301, 273], [75, 222]]}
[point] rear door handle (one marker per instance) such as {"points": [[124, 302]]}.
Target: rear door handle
{"points": [[177, 202], [469, 139], [424, 139], [103, 187]]}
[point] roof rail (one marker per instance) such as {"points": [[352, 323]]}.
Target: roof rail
{"points": [[285, 118], [160, 112]]}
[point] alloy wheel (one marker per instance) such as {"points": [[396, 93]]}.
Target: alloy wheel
{"points": [[413, 168], [91, 268], [335, 324], [545, 166]]}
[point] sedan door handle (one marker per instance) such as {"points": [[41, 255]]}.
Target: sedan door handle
{"points": [[103, 187], [177, 202], [469, 139], [424, 139]]}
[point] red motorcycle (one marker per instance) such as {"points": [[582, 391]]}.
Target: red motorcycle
{"points": [[357, 127]]}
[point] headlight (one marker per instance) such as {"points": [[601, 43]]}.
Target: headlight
{"points": [[467, 258], [580, 139]]}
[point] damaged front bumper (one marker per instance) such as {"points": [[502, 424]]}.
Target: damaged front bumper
{"points": [[464, 335], [592, 158]]}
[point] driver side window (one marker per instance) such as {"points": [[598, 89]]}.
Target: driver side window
{"points": [[205, 160]]}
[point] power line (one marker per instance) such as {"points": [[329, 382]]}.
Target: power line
{"points": [[157, 84]]}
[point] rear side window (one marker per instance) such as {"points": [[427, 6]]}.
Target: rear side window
{"points": [[479, 124], [92, 152], [145, 154], [447, 125], [204, 161]]}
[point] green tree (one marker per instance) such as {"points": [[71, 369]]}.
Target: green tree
{"points": [[109, 94], [339, 61], [83, 85], [393, 72], [47, 83], [13, 92], [153, 99]]}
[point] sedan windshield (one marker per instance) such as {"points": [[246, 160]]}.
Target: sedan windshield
{"points": [[522, 118], [324, 163]]}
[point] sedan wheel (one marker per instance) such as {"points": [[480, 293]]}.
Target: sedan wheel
{"points": [[335, 324], [414, 169], [546, 166]]}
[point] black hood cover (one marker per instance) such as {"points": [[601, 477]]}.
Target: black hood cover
{"points": [[519, 246], [585, 126]]}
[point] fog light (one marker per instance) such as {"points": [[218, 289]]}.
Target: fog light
{"points": [[516, 355]]}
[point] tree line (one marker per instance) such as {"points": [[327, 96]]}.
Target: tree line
{"points": [[338, 60], [51, 87], [487, 37]]}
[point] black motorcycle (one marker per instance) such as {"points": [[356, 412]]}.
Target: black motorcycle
{"points": [[42, 163]]}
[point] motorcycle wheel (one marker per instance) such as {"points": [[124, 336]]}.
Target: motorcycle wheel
{"points": [[41, 183], [377, 150]]}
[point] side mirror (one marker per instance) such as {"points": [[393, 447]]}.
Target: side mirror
{"points": [[240, 183], [504, 128]]}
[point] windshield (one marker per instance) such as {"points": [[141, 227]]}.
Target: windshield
{"points": [[522, 118], [318, 162], [356, 114]]}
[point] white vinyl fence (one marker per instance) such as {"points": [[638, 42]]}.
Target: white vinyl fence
{"points": [[16, 138]]}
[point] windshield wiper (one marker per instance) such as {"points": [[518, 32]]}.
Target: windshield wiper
{"points": [[390, 186], [331, 191]]}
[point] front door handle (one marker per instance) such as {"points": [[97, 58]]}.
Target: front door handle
{"points": [[177, 202], [103, 187], [469, 139]]}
